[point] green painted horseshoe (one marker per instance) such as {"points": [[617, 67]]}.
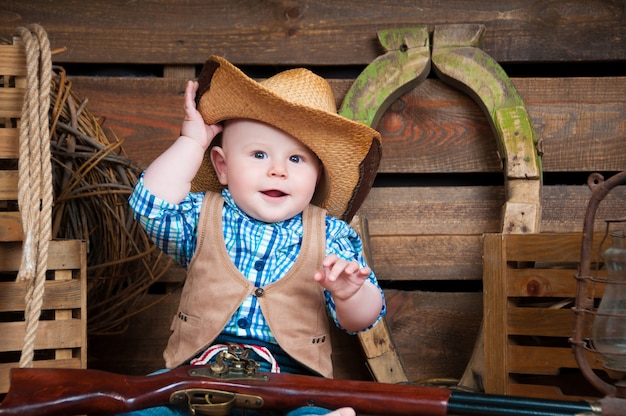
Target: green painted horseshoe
{"points": [[458, 61], [404, 65]]}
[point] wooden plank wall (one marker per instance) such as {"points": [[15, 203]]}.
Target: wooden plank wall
{"points": [[440, 185]]}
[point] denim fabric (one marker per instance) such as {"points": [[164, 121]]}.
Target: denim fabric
{"points": [[170, 411]]}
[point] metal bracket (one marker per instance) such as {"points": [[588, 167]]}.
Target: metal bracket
{"points": [[214, 402], [231, 364]]}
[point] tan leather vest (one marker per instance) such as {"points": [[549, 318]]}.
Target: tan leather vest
{"points": [[294, 306]]}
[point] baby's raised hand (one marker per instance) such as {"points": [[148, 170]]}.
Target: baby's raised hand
{"points": [[340, 277], [193, 125]]}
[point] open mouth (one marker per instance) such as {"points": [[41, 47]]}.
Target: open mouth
{"points": [[274, 193]]}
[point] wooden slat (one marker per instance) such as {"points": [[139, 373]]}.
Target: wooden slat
{"points": [[553, 248], [543, 360], [538, 391], [8, 184], [589, 116], [65, 312], [563, 208], [452, 210], [555, 283], [382, 356], [433, 257], [62, 255], [333, 32], [11, 229], [9, 147], [11, 102], [12, 60], [540, 322], [495, 377], [433, 129], [50, 335], [58, 295], [377, 344]]}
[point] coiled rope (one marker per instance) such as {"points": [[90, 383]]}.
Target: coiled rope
{"points": [[35, 193]]}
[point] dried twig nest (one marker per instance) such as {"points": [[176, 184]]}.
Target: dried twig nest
{"points": [[93, 179]]}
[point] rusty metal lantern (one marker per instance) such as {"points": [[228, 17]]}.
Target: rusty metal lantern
{"points": [[585, 303]]}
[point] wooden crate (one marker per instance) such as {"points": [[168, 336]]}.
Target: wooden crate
{"points": [[61, 336], [528, 295]]}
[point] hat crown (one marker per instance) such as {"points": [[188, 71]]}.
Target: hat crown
{"points": [[303, 87]]}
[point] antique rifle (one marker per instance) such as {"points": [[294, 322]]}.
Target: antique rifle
{"points": [[233, 382]]}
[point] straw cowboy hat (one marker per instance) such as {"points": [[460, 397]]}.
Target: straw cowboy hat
{"points": [[301, 104]]}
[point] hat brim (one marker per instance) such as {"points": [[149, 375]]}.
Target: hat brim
{"points": [[350, 151]]}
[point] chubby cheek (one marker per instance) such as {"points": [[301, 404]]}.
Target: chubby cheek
{"points": [[238, 184], [313, 181], [311, 192]]}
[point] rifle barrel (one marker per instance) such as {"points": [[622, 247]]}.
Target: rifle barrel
{"points": [[468, 404]]}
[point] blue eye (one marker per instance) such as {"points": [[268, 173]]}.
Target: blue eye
{"points": [[259, 155], [295, 159]]}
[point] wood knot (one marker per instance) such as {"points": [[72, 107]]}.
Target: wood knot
{"points": [[397, 106], [533, 288], [293, 13]]}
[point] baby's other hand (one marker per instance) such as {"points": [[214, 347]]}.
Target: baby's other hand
{"points": [[344, 411], [340, 277], [193, 124]]}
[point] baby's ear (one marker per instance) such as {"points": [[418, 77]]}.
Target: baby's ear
{"points": [[218, 159]]}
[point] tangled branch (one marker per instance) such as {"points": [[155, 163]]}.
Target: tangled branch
{"points": [[92, 179]]}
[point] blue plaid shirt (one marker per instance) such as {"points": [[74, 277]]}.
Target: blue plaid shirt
{"points": [[263, 252]]}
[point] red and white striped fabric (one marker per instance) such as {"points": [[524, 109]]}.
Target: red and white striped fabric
{"points": [[215, 349]]}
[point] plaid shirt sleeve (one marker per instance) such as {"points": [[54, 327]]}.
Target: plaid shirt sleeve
{"points": [[342, 240], [172, 227]]}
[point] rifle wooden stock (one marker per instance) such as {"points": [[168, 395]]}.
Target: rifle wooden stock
{"points": [[50, 392]]}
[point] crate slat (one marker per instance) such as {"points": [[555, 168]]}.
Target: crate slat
{"points": [[12, 60], [50, 335], [59, 295], [543, 360], [62, 255], [9, 145]]}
